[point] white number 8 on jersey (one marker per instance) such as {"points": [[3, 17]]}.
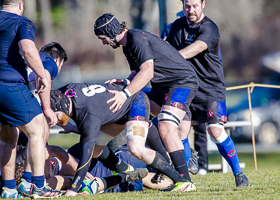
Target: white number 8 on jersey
{"points": [[93, 89]]}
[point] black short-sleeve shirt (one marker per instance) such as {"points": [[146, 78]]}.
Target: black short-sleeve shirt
{"points": [[170, 68], [206, 64]]}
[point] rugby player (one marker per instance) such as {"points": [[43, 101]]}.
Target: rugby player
{"points": [[173, 80], [18, 107], [197, 39], [87, 105]]}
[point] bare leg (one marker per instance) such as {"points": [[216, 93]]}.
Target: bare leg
{"points": [[35, 131], [8, 143]]}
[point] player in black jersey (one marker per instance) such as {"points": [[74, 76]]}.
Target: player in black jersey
{"points": [[87, 105], [172, 78], [197, 39]]}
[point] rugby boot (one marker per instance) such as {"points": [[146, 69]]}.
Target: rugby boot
{"points": [[24, 187], [10, 194], [136, 174], [129, 169], [193, 162], [184, 187], [44, 192], [241, 180]]}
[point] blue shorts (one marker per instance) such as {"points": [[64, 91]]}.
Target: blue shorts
{"points": [[17, 105], [176, 97], [140, 109]]}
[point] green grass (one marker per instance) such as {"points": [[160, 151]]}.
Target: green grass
{"points": [[264, 182]]}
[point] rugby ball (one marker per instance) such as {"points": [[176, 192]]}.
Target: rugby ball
{"points": [[90, 186]]}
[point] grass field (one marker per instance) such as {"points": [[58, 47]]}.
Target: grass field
{"points": [[264, 182]]}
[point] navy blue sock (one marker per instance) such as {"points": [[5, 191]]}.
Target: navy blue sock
{"points": [[38, 181], [228, 151], [11, 184], [154, 142], [187, 150], [27, 176]]}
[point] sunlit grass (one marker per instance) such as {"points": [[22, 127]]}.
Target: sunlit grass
{"points": [[264, 182]]}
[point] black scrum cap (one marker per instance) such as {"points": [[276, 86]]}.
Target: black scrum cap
{"points": [[108, 25]]}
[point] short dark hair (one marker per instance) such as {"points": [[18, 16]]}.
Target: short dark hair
{"points": [[55, 50], [9, 2], [201, 1]]}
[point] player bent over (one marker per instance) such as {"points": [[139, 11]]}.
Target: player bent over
{"points": [[86, 105]]}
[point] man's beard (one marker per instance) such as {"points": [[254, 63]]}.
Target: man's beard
{"points": [[117, 44], [193, 20]]}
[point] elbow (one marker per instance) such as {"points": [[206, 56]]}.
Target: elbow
{"points": [[151, 75]]}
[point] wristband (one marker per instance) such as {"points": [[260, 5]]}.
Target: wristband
{"points": [[125, 93], [126, 81]]}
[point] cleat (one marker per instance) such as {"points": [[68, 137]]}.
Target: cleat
{"points": [[135, 175], [158, 177], [184, 187], [241, 180], [129, 169], [168, 188], [44, 192], [10, 193], [24, 187], [193, 162]]}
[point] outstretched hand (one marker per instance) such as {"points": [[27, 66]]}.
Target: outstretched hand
{"points": [[114, 81], [118, 100]]}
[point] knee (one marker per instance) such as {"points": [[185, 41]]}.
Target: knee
{"points": [[136, 150], [166, 129], [217, 132]]}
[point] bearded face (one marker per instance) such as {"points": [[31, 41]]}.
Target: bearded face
{"points": [[193, 10]]}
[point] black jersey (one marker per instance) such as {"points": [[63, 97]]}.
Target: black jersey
{"points": [[170, 68], [90, 111], [90, 108], [207, 64]]}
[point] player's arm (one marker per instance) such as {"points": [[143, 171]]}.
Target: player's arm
{"points": [[45, 99], [88, 129], [193, 49], [123, 81], [140, 80], [31, 55], [69, 128]]}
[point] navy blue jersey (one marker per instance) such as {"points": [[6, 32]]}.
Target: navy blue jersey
{"points": [[170, 68], [49, 64], [13, 28], [207, 64], [90, 111]]}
